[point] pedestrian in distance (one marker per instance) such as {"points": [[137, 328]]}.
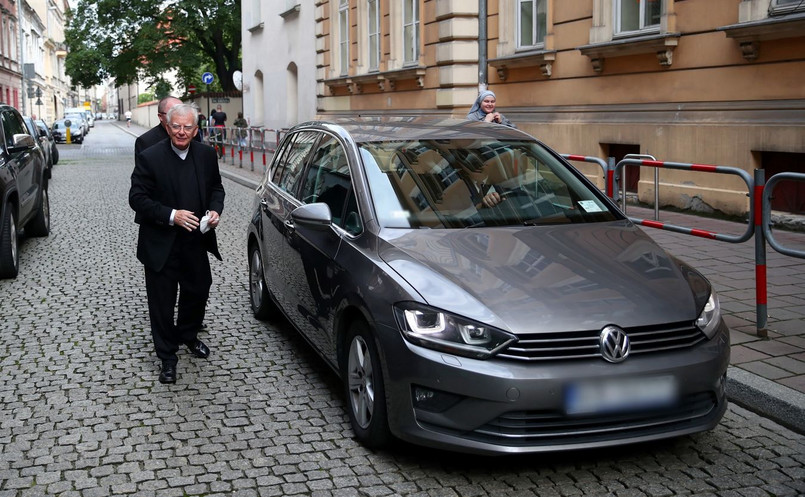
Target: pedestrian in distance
{"points": [[218, 121], [128, 118], [177, 195], [242, 132], [484, 109]]}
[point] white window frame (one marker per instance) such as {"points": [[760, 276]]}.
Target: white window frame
{"points": [[410, 33], [373, 34], [343, 37], [537, 32], [642, 28]]}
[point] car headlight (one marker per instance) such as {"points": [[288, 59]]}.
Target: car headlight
{"points": [[711, 315], [440, 330]]}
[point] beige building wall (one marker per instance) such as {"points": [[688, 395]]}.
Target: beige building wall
{"points": [[720, 82]]}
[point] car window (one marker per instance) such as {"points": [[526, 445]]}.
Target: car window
{"points": [[327, 180], [12, 125], [449, 184], [291, 162]]}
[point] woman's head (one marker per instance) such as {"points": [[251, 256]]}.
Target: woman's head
{"points": [[485, 102]]}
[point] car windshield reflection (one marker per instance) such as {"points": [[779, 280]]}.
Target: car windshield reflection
{"points": [[476, 183]]}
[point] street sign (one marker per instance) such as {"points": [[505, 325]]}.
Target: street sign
{"points": [[207, 78], [191, 89], [220, 100]]}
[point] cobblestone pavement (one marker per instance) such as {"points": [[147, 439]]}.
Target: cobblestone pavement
{"points": [[82, 413]]}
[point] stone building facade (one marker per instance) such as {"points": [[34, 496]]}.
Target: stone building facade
{"points": [[717, 82]]}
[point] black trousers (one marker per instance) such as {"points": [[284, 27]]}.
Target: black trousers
{"points": [[188, 272]]}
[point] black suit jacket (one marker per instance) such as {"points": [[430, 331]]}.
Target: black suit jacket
{"points": [[149, 138], [154, 194]]}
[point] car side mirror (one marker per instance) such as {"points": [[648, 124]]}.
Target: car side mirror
{"points": [[22, 141], [314, 216]]}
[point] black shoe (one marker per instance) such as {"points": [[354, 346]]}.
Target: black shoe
{"points": [[168, 373], [198, 349]]}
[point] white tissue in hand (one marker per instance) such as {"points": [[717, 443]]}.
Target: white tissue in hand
{"points": [[205, 223]]}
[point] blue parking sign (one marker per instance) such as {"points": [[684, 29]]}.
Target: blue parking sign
{"points": [[207, 78]]}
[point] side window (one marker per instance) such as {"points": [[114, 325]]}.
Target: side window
{"points": [[12, 125], [328, 180], [289, 168]]}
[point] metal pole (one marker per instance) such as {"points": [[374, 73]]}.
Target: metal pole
{"points": [[482, 46], [21, 53], [656, 194], [761, 296]]}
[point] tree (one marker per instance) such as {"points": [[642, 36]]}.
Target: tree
{"points": [[144, 39]]}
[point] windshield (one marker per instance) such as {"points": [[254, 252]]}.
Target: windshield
{"points": [[474, 183]]}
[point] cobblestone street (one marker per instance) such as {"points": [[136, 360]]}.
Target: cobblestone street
{"points": [[82, 412]]}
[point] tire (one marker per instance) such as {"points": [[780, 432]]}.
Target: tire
{"points": [[9, 254], [55, 154], [364, 389], [40, 225], [263, 307]]}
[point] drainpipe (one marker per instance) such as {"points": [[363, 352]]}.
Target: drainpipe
{"points": [[20, 54], [482, 46]]}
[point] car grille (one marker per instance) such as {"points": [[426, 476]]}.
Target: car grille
{"points": [[585, 344], [538, 428]]}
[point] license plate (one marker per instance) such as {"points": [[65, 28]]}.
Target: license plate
{"points": [[623, 394]]}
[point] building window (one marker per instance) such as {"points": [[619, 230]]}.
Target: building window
{"points": [[374, 34], [637, 15], [410, 32], [531, 23], [779, 7], [343, 37]]}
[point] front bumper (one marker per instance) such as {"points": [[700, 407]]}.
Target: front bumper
{"points": [[506, 406]]}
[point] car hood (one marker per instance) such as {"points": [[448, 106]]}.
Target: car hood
{"points": [[558, 278]]}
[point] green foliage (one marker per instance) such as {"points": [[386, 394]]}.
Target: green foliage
{"points": [[133, 40], [145, 97]]}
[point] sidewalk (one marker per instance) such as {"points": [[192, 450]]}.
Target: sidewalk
{"points": [[766, 375]]}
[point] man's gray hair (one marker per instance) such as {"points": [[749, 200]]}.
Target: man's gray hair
{"points": [[182, 110]]}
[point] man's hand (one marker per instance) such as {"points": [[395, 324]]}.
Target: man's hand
{"points": [[186, 219], [491, 199], [214, 219]]}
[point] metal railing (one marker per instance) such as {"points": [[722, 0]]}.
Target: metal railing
{"points": [[255, 148], [758, 224]]}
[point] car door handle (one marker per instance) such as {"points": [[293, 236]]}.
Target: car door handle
{"points": [[289, 226]]}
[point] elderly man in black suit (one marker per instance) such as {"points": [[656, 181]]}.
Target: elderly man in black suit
{"points": [[177, 195]]}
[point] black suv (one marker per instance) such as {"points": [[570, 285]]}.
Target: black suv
{"points": [[23, 189]]}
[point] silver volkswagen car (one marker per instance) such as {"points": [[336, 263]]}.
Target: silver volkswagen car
{"points": [[477, 293]]}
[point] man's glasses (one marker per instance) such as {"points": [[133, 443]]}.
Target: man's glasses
{"points": [[188, 128]]}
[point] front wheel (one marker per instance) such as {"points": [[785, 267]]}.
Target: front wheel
{"points": [[365, 390], [40, 225], [9, 256], [262, 306]]}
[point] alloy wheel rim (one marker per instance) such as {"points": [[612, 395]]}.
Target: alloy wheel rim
{"points": [[13, 233], [256, 280], [361, 386]]}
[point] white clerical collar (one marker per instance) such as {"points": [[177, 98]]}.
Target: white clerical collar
{"points": [[181, 153]]}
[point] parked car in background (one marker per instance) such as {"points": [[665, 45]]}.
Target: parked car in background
{"points": [[82, 120], [45, 131], [90, 118], [24, 200], [42, 142], [59, 130], [475, 292]]}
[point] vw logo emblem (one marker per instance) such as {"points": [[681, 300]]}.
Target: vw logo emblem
{"points": [[615, 344]]}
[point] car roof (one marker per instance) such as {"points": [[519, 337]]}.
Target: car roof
{"points": [[374, 129]]}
